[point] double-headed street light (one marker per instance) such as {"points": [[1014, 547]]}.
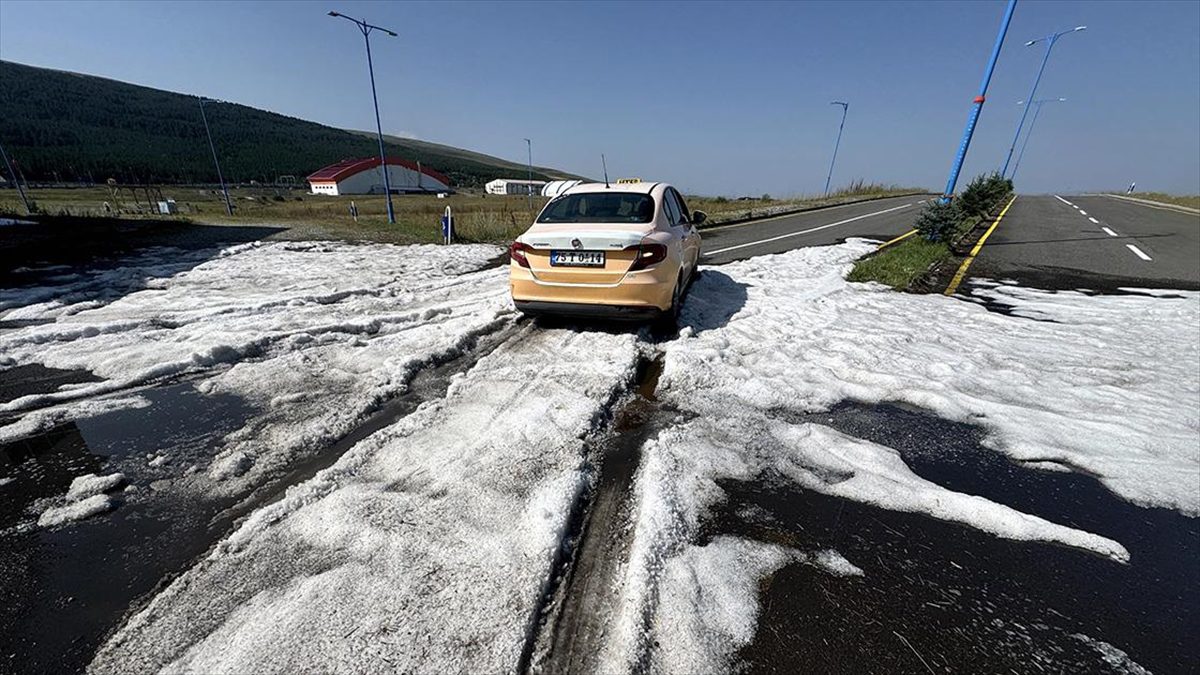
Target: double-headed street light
{"points": [[1049, 40], [1032, 123], [845, 108], [213, 148], [366, 29]]}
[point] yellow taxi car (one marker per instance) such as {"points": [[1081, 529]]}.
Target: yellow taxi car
{"points": [[622, 250]]}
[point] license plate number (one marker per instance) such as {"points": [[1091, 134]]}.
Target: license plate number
{"points": [[577, 258]]}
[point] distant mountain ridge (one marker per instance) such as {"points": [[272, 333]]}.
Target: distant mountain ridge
{"points": [[64, 126]]}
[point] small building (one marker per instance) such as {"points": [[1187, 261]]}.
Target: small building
{"points": [[365, 177], [511, 186]]}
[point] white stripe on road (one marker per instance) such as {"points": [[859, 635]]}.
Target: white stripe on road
{"points": [[1093, 220], [1138, 252], [797, 234], [1110, 232], [1063, 200], [1082, 212]]}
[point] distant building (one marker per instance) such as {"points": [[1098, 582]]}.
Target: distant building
{"points": [[365, 177], [510, 186]]}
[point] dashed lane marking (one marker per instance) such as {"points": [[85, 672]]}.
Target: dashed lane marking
{"points": [[1110, 232], [1093, 220], [1138, 252]]}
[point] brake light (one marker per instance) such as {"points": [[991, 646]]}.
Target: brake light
{"points": [[517, 253], [648, 254]]}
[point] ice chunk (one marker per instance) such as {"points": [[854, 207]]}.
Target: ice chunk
{"points": [[73, 511], [90, 485]]}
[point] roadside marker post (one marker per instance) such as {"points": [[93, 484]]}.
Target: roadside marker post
{"points": [[13, 175], [448, 227], [973, 119]]}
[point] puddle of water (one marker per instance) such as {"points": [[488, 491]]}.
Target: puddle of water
{"points": [[34, 378], [965, 600]]}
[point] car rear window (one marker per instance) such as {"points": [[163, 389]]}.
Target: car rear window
{"points": [[600, 207]]}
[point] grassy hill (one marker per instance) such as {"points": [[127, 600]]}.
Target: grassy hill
{"points": [[66, 126]]}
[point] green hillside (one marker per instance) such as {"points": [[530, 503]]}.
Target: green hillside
{"points": [[66, 126]]}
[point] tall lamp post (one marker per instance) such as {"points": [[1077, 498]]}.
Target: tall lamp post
{"points": [[1032, 123], [366, 29], [213, 148], [529, 186], [977, 104], [845, 108], [1049, 40], [13, 175]]}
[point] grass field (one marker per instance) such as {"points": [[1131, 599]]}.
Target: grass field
{"points": [[1190, 201], [901, 264], [478, 217]]}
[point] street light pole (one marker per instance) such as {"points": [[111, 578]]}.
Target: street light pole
{"points": [[1050, 40], [366, 29], [529, 187], [213, 148], [1032, 123], [977, 106], [13, 175], [845, 108]]}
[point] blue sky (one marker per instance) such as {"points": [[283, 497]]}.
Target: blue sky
{"points": [[718, 98]]}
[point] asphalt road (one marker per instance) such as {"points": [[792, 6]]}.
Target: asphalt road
{"points": [[879, 219], [1094, 242]]}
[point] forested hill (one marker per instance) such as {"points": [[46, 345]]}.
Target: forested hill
{"points": [[66, 126]]}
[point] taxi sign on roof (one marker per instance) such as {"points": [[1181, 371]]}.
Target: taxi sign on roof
{"points": [[622, 181]]}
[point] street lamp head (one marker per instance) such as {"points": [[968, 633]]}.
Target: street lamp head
{"points": [[334, 14], [390, 33], [1080, 27], [1031, 43]]}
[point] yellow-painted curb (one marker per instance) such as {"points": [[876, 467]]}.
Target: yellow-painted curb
{"points": [[906, 235], [962, 269]]}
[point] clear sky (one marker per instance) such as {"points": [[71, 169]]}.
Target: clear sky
{"points": [[718, 98]]}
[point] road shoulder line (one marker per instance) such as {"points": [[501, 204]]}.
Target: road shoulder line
{"points": [[811, 229], [1154, 204], [962, 269]]}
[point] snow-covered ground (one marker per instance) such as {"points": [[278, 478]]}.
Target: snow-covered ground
{"points": [[311, 335], [429, 544]]}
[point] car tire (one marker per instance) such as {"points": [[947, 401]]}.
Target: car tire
{"points": [[669, 319]]}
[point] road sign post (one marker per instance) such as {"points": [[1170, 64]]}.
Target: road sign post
{"points": [[448, 226]]}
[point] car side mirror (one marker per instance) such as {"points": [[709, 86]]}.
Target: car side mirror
{"points": [[699, 217]]}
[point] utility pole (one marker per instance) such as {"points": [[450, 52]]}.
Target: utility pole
{"points": [[1050, 40], [1032, 123], [13, 176], [529, 187], [845, 108], [366, 29], [977, 107], [213, 148]]}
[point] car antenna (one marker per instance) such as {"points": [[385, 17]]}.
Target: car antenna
{"points": [[605, 164]]}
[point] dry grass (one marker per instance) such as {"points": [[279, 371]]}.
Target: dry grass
{"points": [[724, 210], [1190, 201]]}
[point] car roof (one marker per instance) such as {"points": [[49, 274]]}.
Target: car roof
{"points": [[643, 187]]}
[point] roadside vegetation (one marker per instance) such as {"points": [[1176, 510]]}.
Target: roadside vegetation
{"points": [[941, 230], [1190, 201], [722, 210], [478, 217]]}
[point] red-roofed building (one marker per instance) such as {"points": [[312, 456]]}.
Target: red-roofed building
{"points": [[365, 177]]}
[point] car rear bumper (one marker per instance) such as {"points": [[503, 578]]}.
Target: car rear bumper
{"points": [[644, 293], [578, 309]]}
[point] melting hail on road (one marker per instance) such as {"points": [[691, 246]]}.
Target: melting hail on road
{"points": [[441, 541]]}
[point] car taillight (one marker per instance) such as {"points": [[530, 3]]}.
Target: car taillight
{"points": [[648, 254], [517, 253]]}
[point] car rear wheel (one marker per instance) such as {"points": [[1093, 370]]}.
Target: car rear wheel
{"points": [[669, 319]]}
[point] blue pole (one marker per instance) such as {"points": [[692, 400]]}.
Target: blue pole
{"points": [[1032, 124], [845, 108], [978, 105], [1045, 58]]}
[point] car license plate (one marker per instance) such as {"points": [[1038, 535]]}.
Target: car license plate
{"points": [[577, 258]]}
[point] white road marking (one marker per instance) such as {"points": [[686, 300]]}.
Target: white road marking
{"points": [[1063, 200], [1093, 220], [1110, 232], [797, 234], [1138, 252], [1082, 212]]}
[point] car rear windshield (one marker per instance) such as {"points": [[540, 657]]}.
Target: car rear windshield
{"points": [[600, 207]]}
